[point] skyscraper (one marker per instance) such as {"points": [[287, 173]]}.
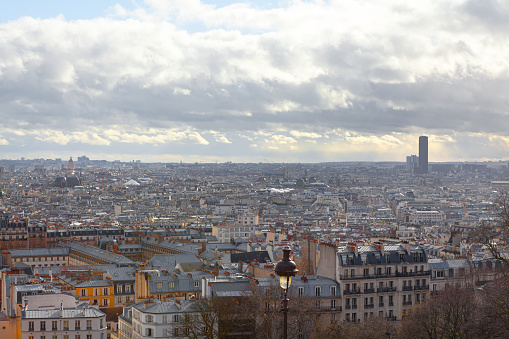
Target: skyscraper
{"points": [[423, 155]]}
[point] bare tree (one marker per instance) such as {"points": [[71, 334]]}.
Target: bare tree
{"points": [[375, 328], [217, 318], [451, 313], [495, 236]]}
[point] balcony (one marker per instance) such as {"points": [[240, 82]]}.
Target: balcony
{"points": [[386, 289], [408, 288], [355, 277], [407, 303], [347, 307], [366, 306], [369, 290], [421, 287], [352, 291], [392, 318], [391, 304], [385, 275], [354, 307], [380, 304], [412, 274]]}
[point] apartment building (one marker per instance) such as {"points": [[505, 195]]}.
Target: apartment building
{"points": [[89, 286], [59, 316], [38, 257], [159, 319], [244, 227], [381, 280]]}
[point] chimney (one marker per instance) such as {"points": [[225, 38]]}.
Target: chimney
{"points": [[353, 247], [406, 246], [380, 246]]}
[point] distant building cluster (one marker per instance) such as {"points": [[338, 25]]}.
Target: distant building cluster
{"points": [[97, 249]]}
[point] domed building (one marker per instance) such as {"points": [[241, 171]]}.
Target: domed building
{"points": [[70, 164]]}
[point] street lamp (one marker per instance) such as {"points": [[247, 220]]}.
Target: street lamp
{"points": [[285, 269]]}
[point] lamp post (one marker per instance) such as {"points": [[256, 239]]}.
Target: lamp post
{"points": [[285, 269]]}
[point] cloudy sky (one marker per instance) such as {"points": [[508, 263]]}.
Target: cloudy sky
{"points": [[255, 81]]}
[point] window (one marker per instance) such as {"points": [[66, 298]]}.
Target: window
{"points": [[89, 324], [149, 318], [119, 288], [175, 318], [318, 291], [96, 291], [77, 325], [333, 291], [105, 302], [165, 319], [54, 325], [119, 300], [197, 283], [301, 291], [333, 304], [149, 332], [267, 307], [77, 336], [66, 336], [106, 291], [30, 325], [66, 325], [171, 284], [159, 285], [175, 332], [89, 336], [83, 292], [127, 288], [317, 304], [43, 326]]}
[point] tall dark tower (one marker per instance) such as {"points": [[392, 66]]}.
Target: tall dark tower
{"points": [[423, 155]]}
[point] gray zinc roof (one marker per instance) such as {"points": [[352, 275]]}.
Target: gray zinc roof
{"points": [[39, 252], [72, 313]]}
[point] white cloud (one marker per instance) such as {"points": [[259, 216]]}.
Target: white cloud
{"points": [[300, 134], [281, 139]]}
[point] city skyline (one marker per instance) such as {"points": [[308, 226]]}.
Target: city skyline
{"points": [[296, 81]]}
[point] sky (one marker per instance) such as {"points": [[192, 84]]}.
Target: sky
{"points": [[254, 81]]}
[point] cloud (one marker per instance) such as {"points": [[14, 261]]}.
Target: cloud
{"points": [[169, 72], [300, 134]]}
